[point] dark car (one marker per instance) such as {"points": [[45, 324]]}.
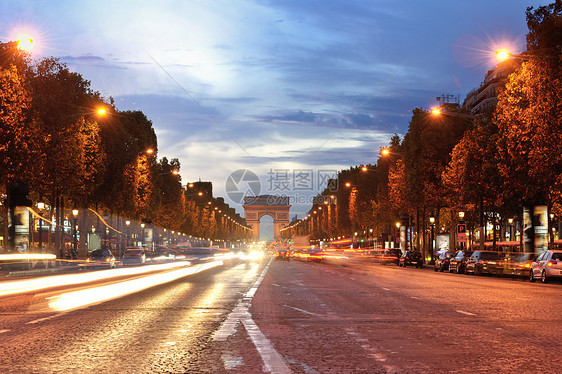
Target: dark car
{"points": [[134, 256], [391, 256], [485, 262], [442, 261], [413, 258], [282, 254], [457, 264], [101, 258]]}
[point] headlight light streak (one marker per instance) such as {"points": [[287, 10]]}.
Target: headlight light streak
{"points": [[96, 295], [14, 287]]}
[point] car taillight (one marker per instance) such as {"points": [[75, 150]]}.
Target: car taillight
{"points": [[107, 260], [87, 260], [550, 263]]}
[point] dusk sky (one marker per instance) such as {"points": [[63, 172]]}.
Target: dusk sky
{"points": [[272, 86]]}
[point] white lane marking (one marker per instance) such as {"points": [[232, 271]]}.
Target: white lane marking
{"points": [[2, 331], [45, 318], [413, 297], [386, 289], [272, 360], [466, 313], [301, 310]]}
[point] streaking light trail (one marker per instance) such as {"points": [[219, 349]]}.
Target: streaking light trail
{"points": [[27, 285], [95, 295]]}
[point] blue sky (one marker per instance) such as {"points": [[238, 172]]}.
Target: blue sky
{"points": [[272, 85]]}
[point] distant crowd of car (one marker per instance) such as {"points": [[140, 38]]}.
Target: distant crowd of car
{"points": [[546, 266]]}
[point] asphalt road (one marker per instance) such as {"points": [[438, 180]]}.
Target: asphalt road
{"points": [[300, 317]]}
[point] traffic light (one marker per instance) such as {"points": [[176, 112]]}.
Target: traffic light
{"points": [[18, 195]]}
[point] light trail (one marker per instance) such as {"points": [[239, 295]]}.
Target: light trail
{"points": [[27, 285], [96, 295]]}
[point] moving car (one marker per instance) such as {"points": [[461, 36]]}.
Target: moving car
{"points": [[485, 262], [282, 254], [518, 264], [547, 266], [101, 258], [457, 263], [134, 256], [411, 258], [391, 256], [442, 261]]}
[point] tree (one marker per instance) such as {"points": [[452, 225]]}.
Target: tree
{"points": [[18, 135]]}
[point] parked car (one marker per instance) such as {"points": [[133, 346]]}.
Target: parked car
{"points": [[411, 258], [442, 261], [547, 266], [485, 262], [101, 258], [457, 264], [134, 256], [391, 256]]}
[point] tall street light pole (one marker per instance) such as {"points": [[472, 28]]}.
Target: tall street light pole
{"points": [[40, 206], [75, 226]]}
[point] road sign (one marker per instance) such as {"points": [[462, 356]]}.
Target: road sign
{"points": [[461, 233]]}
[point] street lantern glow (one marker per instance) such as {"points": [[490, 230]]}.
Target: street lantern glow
{"points": [[364, 168], [41, 205], [436, 111], [101, 111], [348, 184], [385, 151], [150, 151], [75, 212], [175, 172]]}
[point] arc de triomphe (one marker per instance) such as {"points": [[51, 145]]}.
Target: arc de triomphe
{"points": [[277, 207]]}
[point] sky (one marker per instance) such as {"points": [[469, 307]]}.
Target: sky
{"points": [[289, 91]]}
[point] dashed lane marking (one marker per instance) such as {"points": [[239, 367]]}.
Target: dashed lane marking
{"points": [[466, 313], [272, 360], [2, 331], [301, 310]]}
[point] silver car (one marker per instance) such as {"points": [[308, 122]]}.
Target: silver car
{"points": [[547, 266]]}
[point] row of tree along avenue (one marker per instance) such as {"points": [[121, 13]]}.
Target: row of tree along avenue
{"points": [[496, 173], [64, 148]]}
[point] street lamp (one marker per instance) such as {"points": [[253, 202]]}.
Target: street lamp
{"points": [[75, 250], [127, 223], [142, 234], [40, 206], [432, 224], [510, 222]]}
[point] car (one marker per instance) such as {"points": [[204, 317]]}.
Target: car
{"points": [[458, 262], [485, 262], [411, 258], [391, 256], [547, 266], [282, 254], [442, 261], [518, 264], [101, 258], [134, 256]]}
